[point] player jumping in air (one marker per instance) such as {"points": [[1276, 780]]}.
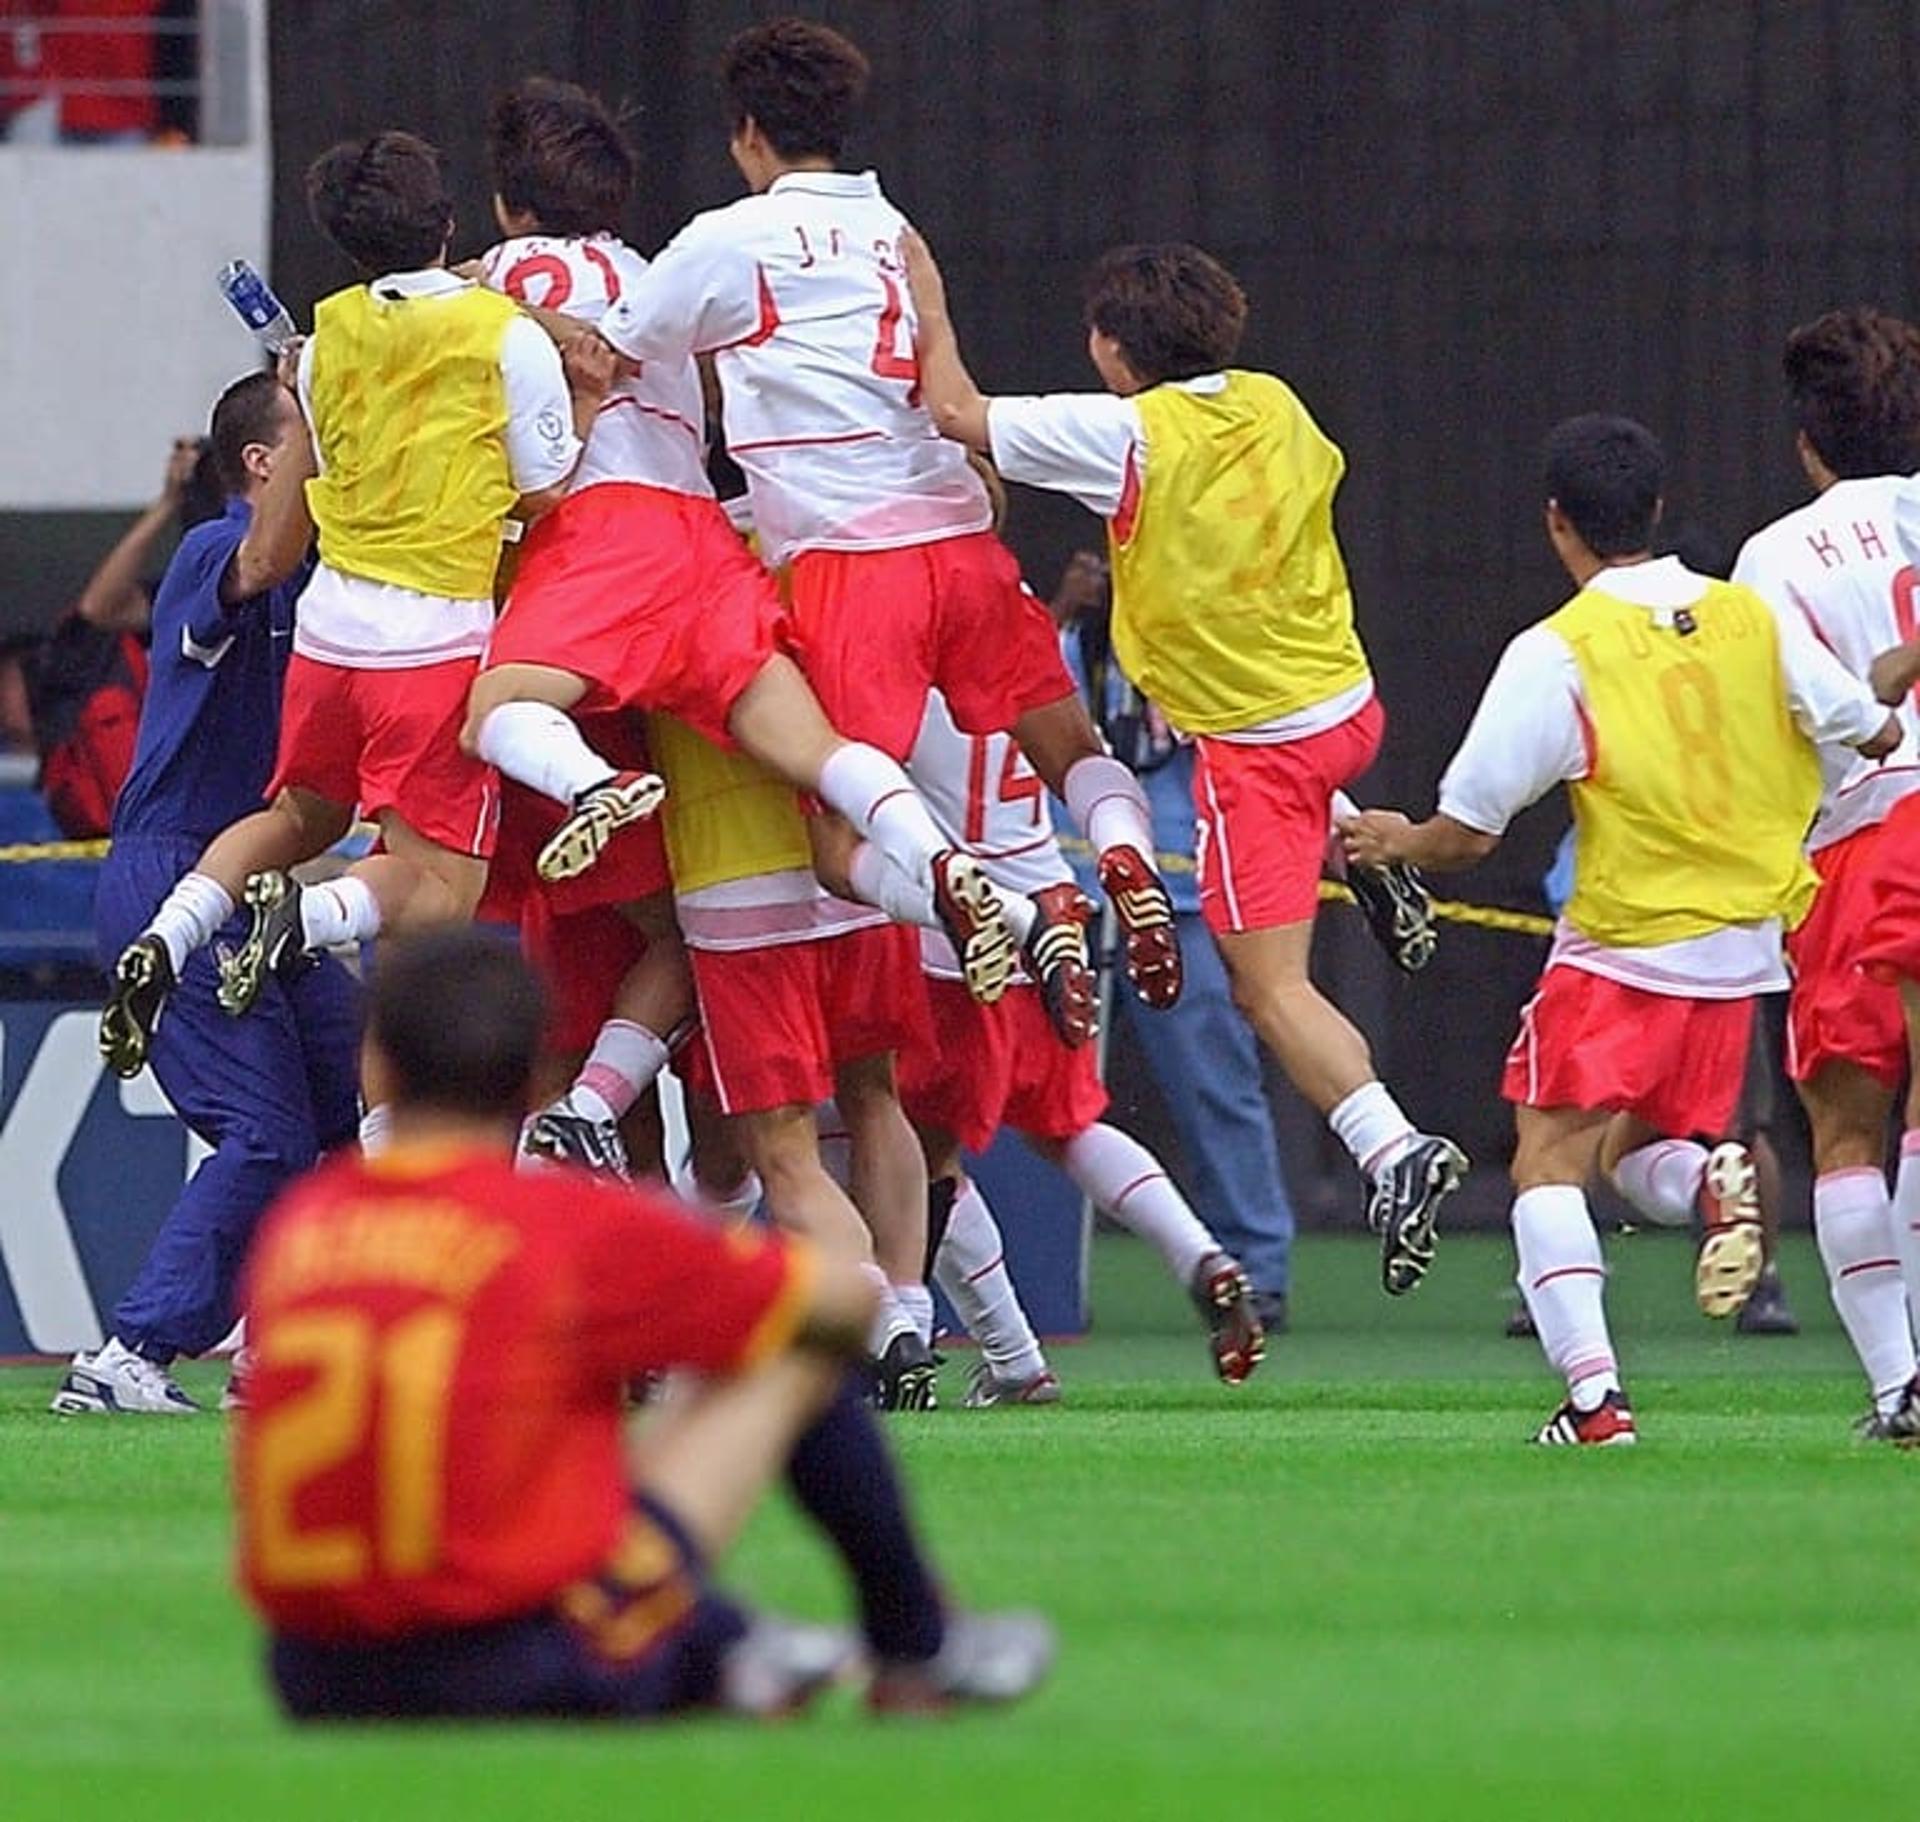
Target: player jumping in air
{"points": [[1682, 716], [898, 583], [437, 410], [1232, 614], [1835, 566], [438, 1514]]}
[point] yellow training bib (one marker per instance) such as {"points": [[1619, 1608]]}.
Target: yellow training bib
{"points": [[726, 816]]}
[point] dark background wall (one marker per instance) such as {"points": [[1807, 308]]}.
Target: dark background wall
{"points": [[1457, 222]]}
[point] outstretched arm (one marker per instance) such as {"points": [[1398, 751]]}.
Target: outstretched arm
{"points": [[958, 407], [1374, 838], [280, 531], [113, 597]]}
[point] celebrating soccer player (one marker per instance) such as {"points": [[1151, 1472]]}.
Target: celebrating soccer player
{"points": [[1682, 716]]}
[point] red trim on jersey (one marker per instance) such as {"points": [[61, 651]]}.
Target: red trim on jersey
{"points": [[1129, 508], [1806, 613], [1589, 737], [652, 411], [843, 436], [762, 331]]}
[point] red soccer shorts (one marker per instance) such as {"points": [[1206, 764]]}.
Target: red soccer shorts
{"points": [[1261, 815], [1838, 1013], [876, 629], [1586, 1041], [984, 1067], [651, 596], [388, 741], [581, 958], [777, 1022], [1889, 945]]}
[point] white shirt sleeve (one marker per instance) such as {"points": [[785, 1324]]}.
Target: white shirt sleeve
{"points": [[703, 292], [541, 446], [1527, 735], [1831, 705], [1085, 444]]}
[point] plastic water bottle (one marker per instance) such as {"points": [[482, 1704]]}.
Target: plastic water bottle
{"points": [[255, 304]]}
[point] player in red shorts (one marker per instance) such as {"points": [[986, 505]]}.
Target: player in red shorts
{"points": [[898, 583], [1682, 717], [437, 1512], [436, 413], [636, 592], [1835, 565], [979, 1068]]}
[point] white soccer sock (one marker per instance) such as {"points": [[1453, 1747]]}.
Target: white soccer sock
{"points": [[1334, 861], [624, 1059], [1906, 1220], [1371, 1126], [730, 1208], [876, 796], [890, 1319], [971, 1267], [1126, 1181], [1853, 1222], [376, 1130], [338, 912], [917, 1301], [189, 916], [1563, 1280], [877, 881], [541, 747], [1662, 1180], [1106, 800]]}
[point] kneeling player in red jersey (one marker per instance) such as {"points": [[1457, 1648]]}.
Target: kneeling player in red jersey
{"points": [[436, 1511]]}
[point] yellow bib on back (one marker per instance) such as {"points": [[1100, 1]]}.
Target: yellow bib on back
{"points": [[726, 816], [1702, 788], [409, 411], [1230, 598]]}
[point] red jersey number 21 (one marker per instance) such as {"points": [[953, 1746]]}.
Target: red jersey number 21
{"points": [[888, 360]]}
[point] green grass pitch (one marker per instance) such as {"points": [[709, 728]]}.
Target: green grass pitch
{"points": [[1347, 1590]]}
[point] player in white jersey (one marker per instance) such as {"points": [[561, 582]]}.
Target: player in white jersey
{"points": [[635, 592], [983, 1067], [897, 581], [1836, 566]]}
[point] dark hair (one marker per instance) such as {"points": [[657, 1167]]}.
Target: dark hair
{"points": [[1605, 474], [559, 156], [249, 411], [1176, 312], [382, 201], [459, 1017], [798, 82], [1854, 377]]}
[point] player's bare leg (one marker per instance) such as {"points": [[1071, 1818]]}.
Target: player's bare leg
{"points": [[783, 1146], [1325, 1057], [1105, 799]]}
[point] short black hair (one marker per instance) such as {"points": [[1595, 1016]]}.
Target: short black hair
{"points": [[1606, 475], [382, 201], [1854, 378], [558, 155], [459, 1017], [249, 411], [800, 83], [1175, 311]]}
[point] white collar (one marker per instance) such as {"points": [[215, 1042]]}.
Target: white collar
{"points": [[828, 183], [430, 281], [1201, 382], [1663, 584]]}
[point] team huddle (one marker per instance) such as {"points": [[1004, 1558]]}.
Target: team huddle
{"points": [[764, 784]]}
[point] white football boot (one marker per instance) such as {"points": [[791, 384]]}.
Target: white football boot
{"points": [[113, 1378]]}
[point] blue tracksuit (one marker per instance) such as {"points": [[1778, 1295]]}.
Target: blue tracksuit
{"points": [[269, 1092]]}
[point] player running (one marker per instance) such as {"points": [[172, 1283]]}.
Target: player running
{"points": [[636, 592], [1835, 566], [437, 411], [898, 583], [1682, 716], [1232, 614], [979, 1068], [436, 1511], [271, 1094]]}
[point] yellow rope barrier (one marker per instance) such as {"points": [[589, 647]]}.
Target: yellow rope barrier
{"points": [[23, 853]]}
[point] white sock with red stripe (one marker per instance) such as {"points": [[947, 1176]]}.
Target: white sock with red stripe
{"points": [[338, 913], [877, 881], [190, 916], [1662, 1180], [541, 747], [971, 1267], [1106, 800], [624, 1060], [1371, 1126], [1906, 1220], [1127, 1182], [1563, 1279], [876, 796], [1853, 1222]]}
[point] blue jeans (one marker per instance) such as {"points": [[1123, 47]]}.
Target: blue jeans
{"points": [[1206, 1064]]}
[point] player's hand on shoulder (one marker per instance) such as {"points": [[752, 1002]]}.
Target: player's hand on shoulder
{"points": [[591, 365], [923, 275], [1894, 672]]}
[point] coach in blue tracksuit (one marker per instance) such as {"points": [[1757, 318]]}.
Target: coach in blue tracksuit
{"points": [[269, 1092]]}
